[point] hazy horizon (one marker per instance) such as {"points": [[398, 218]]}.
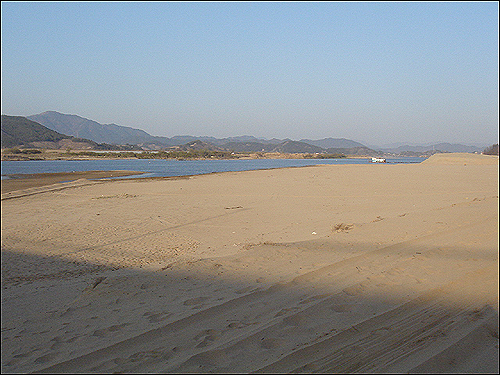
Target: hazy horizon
{"points": [[376, 73], [385, 145]]}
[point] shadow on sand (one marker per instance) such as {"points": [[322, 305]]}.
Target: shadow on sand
{"points": [[359, 314]]}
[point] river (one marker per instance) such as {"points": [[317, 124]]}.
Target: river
{"points": [[169, 167]]}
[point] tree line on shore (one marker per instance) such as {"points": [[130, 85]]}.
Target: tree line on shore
{"points": [[164, 154]]}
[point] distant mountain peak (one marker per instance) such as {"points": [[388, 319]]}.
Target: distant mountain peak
{"points": [[81, 127]]}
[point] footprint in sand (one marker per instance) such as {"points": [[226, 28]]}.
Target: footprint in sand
{"points": [[126, 363], [58, 341], [69, 311], [236, 325], [209, 336], [105, 331], [310, 367], [17, 358], [341, 308], [296, 320], [205, 361], [271, 343], [354, 290], [313, 299], [195, 301], [245, 290], [285, 311], [158, 317], [46, 358]]}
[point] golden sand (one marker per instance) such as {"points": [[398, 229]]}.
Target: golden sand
{"points": [[331, 268]]}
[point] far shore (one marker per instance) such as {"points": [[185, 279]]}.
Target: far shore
{"points": [[44, 154]]}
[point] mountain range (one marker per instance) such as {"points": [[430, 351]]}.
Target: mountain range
{"points": [[69, 125], [115, 134]]}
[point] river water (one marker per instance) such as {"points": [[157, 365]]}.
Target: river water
{"points": [[169, 167]]}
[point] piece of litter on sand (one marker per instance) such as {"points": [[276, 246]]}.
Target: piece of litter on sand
{"points": [[314, 233]]}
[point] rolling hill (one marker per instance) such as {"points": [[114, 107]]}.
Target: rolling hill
{"points": [[18, 131], [80, 127]]}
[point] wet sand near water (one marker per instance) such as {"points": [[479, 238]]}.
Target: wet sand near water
{"points": [[25, 181]]}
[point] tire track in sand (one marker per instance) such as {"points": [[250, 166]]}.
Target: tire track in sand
{"points": [[260, 316]]}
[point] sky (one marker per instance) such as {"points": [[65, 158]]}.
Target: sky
{"points": [[377, 73]]}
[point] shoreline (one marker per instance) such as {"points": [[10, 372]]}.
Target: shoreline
{"points": [[23, 181], [37, 180], [282, 270], [42, 180], [75, 156]]}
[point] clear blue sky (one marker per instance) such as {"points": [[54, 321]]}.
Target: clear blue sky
{"points": [[373, 72]]}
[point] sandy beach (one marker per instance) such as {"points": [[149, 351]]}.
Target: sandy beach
{"points": [[328, 268]]}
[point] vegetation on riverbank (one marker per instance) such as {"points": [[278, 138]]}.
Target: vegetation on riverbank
{"points": [[492, 150], [37, 154]]}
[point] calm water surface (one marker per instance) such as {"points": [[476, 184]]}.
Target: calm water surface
{"points": [[169, 168]]}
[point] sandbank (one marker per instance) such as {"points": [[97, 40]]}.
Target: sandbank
{"points": [[330, 268], [34, 180]]}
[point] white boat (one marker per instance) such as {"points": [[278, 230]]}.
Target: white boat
{"points": [[379, 160]]}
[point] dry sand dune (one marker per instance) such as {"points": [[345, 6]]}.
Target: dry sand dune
{"points": [[346, 268]]}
